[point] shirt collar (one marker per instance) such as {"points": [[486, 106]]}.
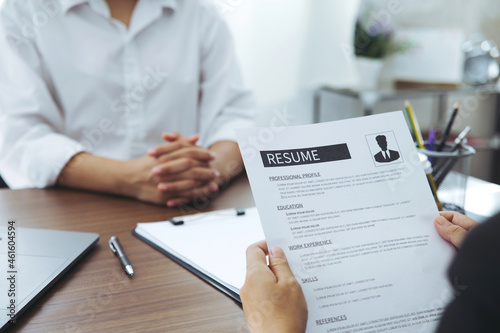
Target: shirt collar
{"points": [[66, 5], [172, 4]]}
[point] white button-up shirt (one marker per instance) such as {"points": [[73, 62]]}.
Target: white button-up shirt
{"points": [[73, 79]]}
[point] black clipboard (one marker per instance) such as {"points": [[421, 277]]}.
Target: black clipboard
{"points": [[228, 292]]}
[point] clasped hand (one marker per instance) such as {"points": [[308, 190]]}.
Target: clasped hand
{"points": [[176, 172]]}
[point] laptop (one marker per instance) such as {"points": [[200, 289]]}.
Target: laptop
{"points": [[41, 258]]}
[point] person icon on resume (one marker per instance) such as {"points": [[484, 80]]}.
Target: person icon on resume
{"points": [[385, 155]]}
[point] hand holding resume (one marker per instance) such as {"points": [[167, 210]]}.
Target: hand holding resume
{"points": [[350, 205]]}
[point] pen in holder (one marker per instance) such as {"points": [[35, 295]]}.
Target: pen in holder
{"points": [[450, 168]]}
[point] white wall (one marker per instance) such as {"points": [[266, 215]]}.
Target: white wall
{"points": [[287, 48]]}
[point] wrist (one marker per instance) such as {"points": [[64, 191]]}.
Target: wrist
{"points": [[115, 177], [227, 162], [287, 325], [127, 180], [90, 172], [121, 179], [132, 177]]}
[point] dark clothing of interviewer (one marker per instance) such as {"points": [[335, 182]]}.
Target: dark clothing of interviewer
{"points": [[475, 276]]}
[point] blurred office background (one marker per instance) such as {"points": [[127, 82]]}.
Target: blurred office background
{"points": [[290, 48]]}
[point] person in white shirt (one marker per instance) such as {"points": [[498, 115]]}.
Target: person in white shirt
{"points": [[131, 97]]}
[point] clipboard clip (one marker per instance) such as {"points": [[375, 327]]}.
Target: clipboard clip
{"points": [[180, 220], [176, 221]]}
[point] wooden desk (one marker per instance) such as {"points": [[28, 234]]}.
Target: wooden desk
{"points": [[96, 295]]}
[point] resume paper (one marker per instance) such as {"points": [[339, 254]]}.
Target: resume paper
{"points": [[349, 203]]}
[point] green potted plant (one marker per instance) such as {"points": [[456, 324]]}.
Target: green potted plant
{"points": [[373, 41]]}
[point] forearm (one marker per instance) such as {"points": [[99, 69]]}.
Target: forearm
{"points": [[228, 161], [133, 178], [89, 172]]}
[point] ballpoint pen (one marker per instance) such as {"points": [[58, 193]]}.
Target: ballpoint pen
{"points": [[117, 249], [447, 129], [460, 138], [448, 165]]}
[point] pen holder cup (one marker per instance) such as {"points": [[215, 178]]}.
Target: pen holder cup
{"points": [[450, 168]]}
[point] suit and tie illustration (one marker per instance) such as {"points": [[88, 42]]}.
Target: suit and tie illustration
{"points": [[385, 155]]}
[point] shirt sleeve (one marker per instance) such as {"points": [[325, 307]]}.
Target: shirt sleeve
{"points": [[33, 150], [225, 102]]}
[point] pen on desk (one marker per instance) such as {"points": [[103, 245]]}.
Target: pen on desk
{"points": [[447, 129], [420, 142], [117, 249]]}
